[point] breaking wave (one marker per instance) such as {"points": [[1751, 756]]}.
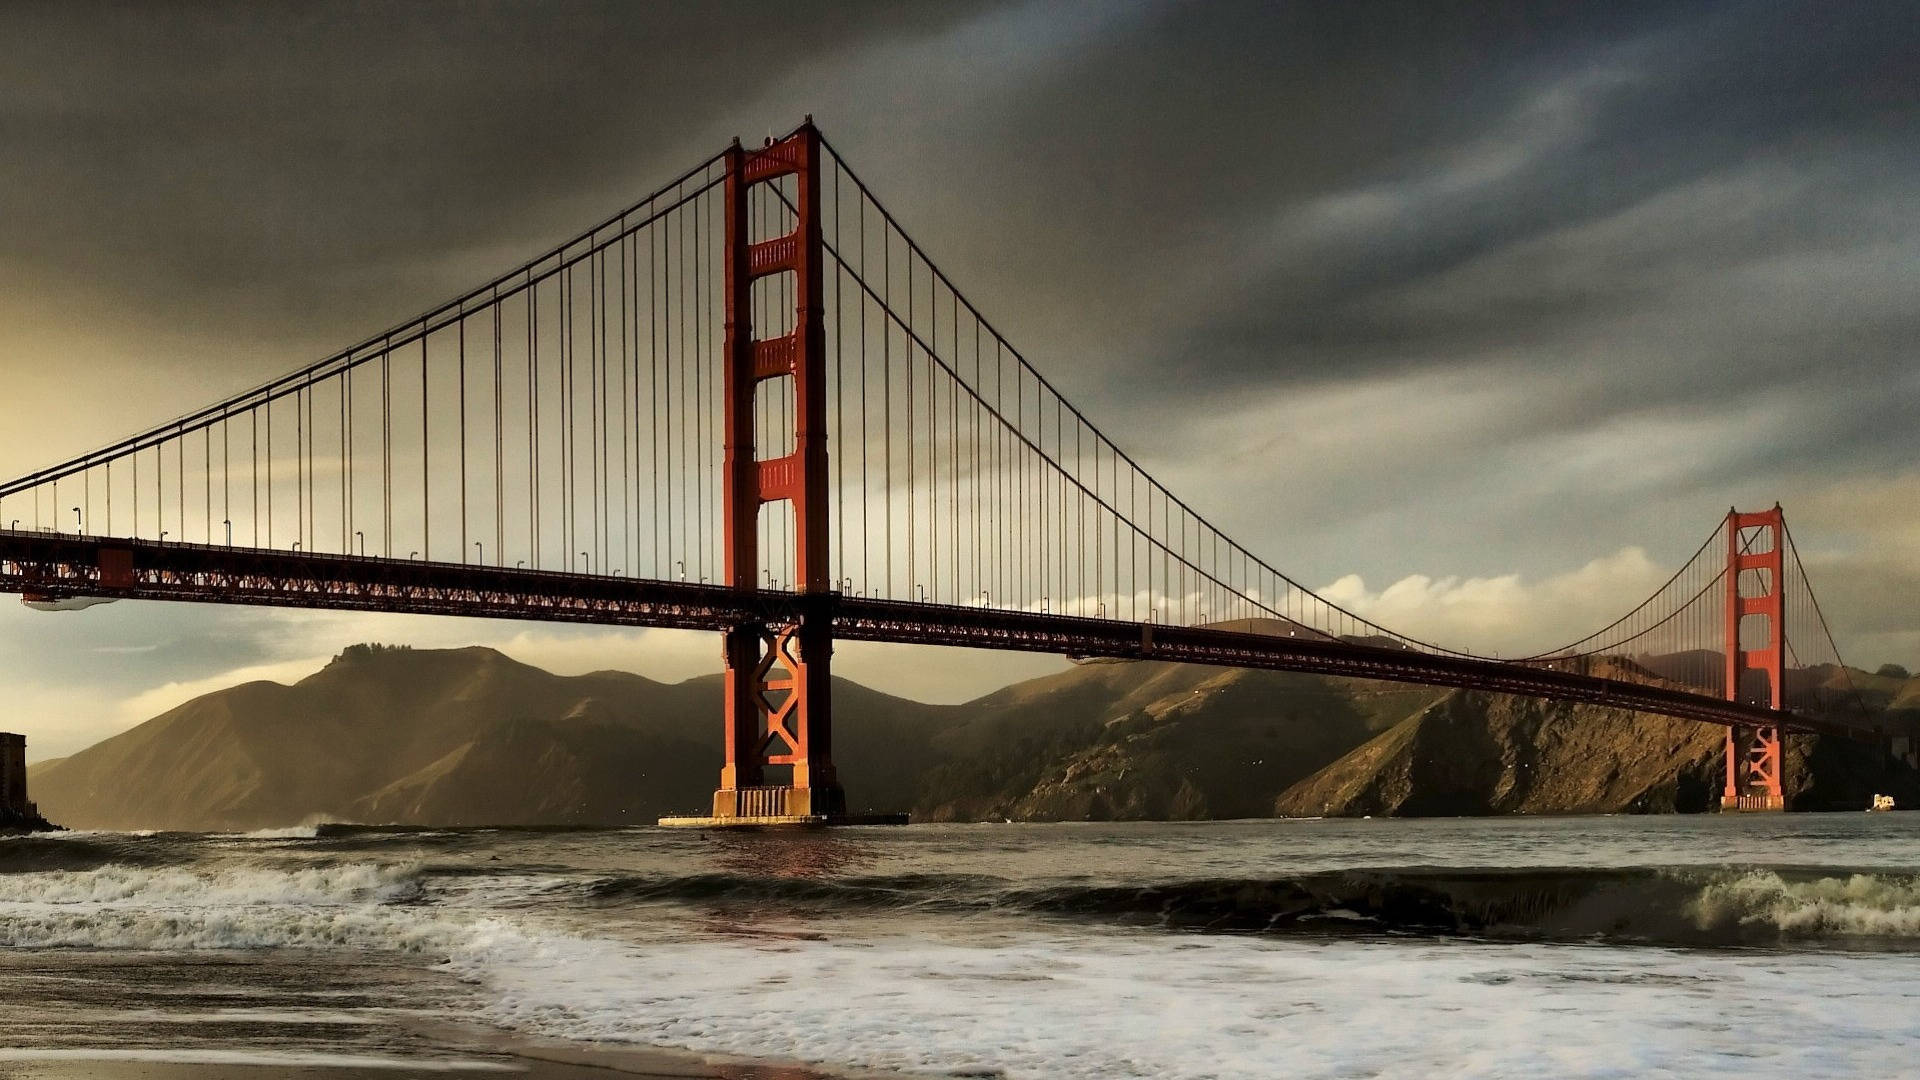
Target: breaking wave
{"points": [[542, 952], [1650, 905], [1856, 905], [174, 908], [87, 893], [289, 832], [35, 854]]}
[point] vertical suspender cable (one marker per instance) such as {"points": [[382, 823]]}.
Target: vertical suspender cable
{"points": [[461, 329], [426, 460]]}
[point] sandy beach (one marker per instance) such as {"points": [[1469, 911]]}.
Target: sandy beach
{"points": [[83, 1068], [532, 1060], [467, 1050]]}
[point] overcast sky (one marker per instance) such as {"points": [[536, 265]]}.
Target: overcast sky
{"points": [[1478, 315]]}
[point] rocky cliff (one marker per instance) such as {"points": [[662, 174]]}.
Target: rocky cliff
{"points": [[1151, 741], [1478, 753]]}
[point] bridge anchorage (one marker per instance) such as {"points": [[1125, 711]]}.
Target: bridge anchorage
{"points": [[752, 405]]}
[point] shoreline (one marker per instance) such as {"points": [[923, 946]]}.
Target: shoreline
{"points": [[500, 1054], [460, 1049], [632, 1059]]}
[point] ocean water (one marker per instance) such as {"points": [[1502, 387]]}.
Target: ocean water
{"points": [[1750, 945]]}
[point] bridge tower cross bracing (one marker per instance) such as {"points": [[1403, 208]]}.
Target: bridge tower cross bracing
{"points": [[1756, 576], [782, 717]]}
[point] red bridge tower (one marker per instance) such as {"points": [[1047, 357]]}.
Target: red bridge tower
{"points": [[778, 695], [1756, 655]]}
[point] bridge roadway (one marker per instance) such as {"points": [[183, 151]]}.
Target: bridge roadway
{"points": [[55, 565]]}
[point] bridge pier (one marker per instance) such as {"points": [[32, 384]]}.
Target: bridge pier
{"points": [[1753, 770], [1755, 655], [778, 687]]}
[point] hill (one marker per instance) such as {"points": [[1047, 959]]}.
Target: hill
{"points": [[465, 736], [1151, 741], [470, 736], [1480, 753]]}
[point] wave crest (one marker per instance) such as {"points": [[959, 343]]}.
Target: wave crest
{"points": [[1856, 905], [1652, 905], [356, 905]]}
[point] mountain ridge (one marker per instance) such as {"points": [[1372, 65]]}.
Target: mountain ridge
{"points": [[473, 737]]}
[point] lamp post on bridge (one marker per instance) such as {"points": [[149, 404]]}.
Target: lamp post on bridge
{"points": [[79, 523], [361, 538], [588, 559], [480, 553]]}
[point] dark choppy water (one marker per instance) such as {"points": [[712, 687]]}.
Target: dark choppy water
{"points": [[1763, 945]]}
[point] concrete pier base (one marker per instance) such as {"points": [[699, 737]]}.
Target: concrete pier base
{"points": [[783, 821], [1750, 803], [778, 806]]}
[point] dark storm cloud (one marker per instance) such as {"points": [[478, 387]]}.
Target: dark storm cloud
{"points": [[269, 158], [1609, 127], [1642, 208], [1690, 219], [1388, 288]]}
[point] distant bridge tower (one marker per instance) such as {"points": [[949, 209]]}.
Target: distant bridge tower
{"points": [[1755, 655], [783, 717]]}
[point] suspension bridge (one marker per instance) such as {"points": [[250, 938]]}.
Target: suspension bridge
{"points": [[751, 404]]}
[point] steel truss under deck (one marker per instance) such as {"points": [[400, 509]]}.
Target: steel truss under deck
{"points": [[53, 565]]}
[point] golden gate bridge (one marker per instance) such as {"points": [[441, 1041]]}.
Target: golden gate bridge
{"points": [[751, 404]]}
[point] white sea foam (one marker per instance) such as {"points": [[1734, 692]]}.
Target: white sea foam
{"points": [[1165, 1006], [289, 832], [83, 834], [1062, 1002], [167, 908], [1871, 905]]}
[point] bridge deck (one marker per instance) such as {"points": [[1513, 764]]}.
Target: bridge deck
{"points": [[42, 563]]}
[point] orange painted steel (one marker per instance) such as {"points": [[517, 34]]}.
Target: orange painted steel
{"points": [[788, 710], [1756, 574]]}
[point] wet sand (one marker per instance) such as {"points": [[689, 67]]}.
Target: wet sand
{"points": [[507, 1056], [660, 1067]]}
